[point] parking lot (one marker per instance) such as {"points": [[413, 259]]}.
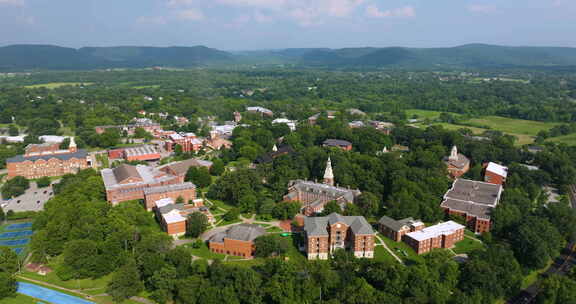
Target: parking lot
{"points": [[32, 200]]}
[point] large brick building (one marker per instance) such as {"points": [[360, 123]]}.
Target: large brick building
{"points": [[173, 217], [237, 240], [324, 235], [458, 164], [128, 182], [187, 141], [48, 160], [443, 235], [147, 124], [396, 230], [314, 196], [474, 201], [187, 191]]}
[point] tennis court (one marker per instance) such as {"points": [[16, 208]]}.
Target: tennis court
{"points": [[19, 226], [15, 234], [14, 242], [49, 295]]}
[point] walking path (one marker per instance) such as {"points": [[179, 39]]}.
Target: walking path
{"points": [[382, 243]]}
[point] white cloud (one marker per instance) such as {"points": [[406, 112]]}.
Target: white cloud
{"points": [[192, 14], [151, 20], [375, 12], [12, 2], [482, 9]]}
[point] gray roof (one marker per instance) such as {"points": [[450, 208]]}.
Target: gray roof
{"points": [[480, 211], [318, 225], [397, 225], [475, 192], [63, 156], [337, 142], [124, 172], [169, 188], [332, 191], [138, 151], [181, 167], [472, 197], [242, 232]]}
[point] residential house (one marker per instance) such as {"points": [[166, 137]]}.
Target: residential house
{"points": [[395, 230]]}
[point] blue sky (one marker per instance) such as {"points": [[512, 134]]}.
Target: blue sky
{"points": [[265, 24]]}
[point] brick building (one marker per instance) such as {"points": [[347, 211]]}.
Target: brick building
{"points": [[314, 196], [48, 160], [443, 235], [395, 230], [474, 201], [276, 152], [237, 240], [128, 182], [173, 217], [187, 141], [338, 143], [495, 173], [458, 164], [324, 235], [187, 191], [144, 153]]}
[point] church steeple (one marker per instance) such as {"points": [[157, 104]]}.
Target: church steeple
{"points": [[72, 147], [328, 174], [453, 154]]}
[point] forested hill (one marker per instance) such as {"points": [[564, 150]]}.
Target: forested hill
{"points": [[25, 57], [466, 56], [48, 57]]}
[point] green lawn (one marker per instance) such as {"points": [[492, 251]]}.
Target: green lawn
{"points": [[569, 139], [423, 114], [402, 250], [52, 278], [511, 125], [382, 255], [224, 222], [54, 85], [221, 204], [467, 245], [205, 253], [20, 299]]}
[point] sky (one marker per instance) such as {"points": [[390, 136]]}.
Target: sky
{"points": [[274, 24]]}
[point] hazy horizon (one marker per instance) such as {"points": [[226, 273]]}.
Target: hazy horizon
{"points": [[243, 25]]}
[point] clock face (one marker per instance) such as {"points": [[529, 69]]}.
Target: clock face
{"points": [[337, 225]]}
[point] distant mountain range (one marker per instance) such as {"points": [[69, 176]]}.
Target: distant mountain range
{"points": [[47, 57]]}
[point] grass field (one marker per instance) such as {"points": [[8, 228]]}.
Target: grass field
{"points": [[54, 85], [569, 139], [467, 245], [533, 275], [423, 114], [20, 299], [402, 250], [511, 125], [382, 255], [523, 130]]}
